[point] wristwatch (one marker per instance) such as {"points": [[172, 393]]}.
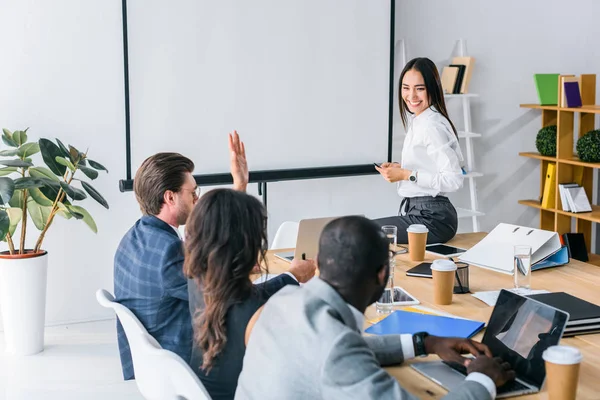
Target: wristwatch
{"points": [[419, 343], [413, 176]]}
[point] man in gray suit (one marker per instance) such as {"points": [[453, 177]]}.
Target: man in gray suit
{"points": [[307, 343]]}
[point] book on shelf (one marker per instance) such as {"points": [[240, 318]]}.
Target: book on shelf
{"points": [[547, 88], [468, 62], [573, 198], [549, 194], [449, 75], [561, 83], [459, 78], [572, 94]]}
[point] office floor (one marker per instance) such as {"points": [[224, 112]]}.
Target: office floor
{"points": [[80, 361]]}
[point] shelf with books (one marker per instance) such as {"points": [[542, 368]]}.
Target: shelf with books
{"points": [[572, 123]]}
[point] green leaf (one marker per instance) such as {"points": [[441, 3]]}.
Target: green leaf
{"points": [[17, 200], [90, 173], [7, 188], [15, 217], [49, 153], [74, 154], [7, 171], [73, 192], [7, 138], [39, 214], [62, 148], [39, 197], [64, 212], [65, 162], [16, 163], [9, 153], [20, 137], [96, 165], [28, 149], [94, 194], [27, 183], [87, 218], [50, 189], [4, 223], [42, 172]]}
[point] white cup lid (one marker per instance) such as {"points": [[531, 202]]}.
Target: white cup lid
{"points": [[443, 265], [417, 228], [565, 355]]}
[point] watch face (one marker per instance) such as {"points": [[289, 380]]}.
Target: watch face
{"points": [[413, 178]]}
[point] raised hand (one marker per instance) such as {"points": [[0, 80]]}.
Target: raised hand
{"points": [[238, 163]]}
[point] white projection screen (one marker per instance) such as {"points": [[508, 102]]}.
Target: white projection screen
{"points": [[305, 82]]}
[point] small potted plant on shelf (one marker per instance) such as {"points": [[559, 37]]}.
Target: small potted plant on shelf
{"points": [[40, 193]]}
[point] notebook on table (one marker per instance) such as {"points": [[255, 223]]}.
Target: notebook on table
{"points": [[584, 317], [400, 322]]}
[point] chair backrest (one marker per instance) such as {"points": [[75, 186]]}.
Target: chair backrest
{"points": [[173, 377], [144, 376], [286, 235]]}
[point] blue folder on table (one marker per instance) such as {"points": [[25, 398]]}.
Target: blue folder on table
{"points": [[411, 322]]}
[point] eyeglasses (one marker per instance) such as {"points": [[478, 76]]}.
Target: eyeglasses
{"points": [[195, 192]]}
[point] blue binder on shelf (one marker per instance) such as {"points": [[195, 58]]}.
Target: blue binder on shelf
{"points": [[411, 322]]}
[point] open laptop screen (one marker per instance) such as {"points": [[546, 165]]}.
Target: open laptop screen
{"points": [[519, 331]]}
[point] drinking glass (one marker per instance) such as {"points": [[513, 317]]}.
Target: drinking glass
{"points": [[522, 273], [391, 233]]}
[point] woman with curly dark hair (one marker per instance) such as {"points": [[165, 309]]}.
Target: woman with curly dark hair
{"points": [[226, 237]]}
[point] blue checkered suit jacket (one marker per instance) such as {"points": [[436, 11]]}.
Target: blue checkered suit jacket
{"points": [[149, 281]]}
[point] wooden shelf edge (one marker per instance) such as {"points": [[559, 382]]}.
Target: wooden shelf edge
{"points": [[532, 154], [570, 161], [593, 216], [589, 109]]}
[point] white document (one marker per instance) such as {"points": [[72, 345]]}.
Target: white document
{"points": [[491, 297], [563, 195], [496, 250], [579, 200]]}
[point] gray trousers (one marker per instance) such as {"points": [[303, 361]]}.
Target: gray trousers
{"points": [[436, 213]]}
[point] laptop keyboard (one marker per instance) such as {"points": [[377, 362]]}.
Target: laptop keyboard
{"points": [[511, 386]]}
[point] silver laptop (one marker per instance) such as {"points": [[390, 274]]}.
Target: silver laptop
{"points": [[519, 331], [307, 242]]}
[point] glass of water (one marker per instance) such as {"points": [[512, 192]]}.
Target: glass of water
{"points": [[522, 267], [385, 304], [391, 233]]}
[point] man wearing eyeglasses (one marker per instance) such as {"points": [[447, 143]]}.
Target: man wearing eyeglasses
{"points": [[148, 266]]}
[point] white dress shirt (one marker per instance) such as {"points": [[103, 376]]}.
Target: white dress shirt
{"points": [[408, 349], [431, 148]]}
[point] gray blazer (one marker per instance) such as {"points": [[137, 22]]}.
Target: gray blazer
{"points": [[306, 345]]}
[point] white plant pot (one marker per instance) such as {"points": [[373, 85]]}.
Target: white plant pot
{"points": [[23, 302]]}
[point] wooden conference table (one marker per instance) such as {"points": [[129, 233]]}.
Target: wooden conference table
{"points": [[577, 278]]}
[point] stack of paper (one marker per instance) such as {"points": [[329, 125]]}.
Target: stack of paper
{"points": [[573, 198], [491, 297]]}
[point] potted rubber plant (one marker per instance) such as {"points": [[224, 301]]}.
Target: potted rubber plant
{"points": [[37, 194]]}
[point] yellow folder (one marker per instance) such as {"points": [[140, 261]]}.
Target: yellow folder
{"points": [[549, 196]]}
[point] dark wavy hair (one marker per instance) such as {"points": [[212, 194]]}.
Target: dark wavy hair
{"points": [[433, 85], [226, 236]]}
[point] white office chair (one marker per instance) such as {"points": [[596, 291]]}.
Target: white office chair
{"points": [[286, 235], [173, 378], [144, 376]]}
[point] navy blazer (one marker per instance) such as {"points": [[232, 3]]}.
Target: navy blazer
{"points": [[149, 280]]}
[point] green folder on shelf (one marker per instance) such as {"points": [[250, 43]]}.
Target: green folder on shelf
{"points": [[547, 88]]}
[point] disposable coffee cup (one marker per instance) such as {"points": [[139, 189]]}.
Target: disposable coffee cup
{"points": [[443, 281], [417, 239], [562, 371]]}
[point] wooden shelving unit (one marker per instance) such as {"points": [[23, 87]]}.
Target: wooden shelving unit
{"points": [[566, 162]]}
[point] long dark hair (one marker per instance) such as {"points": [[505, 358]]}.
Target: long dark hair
{"points": [[433, 85], [226, 236]]}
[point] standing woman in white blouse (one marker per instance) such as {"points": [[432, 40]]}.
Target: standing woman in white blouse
{"points": [[431, 156]]}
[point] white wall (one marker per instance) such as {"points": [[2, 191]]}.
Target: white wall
{"points": [[62, 76], [510, 40]]}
